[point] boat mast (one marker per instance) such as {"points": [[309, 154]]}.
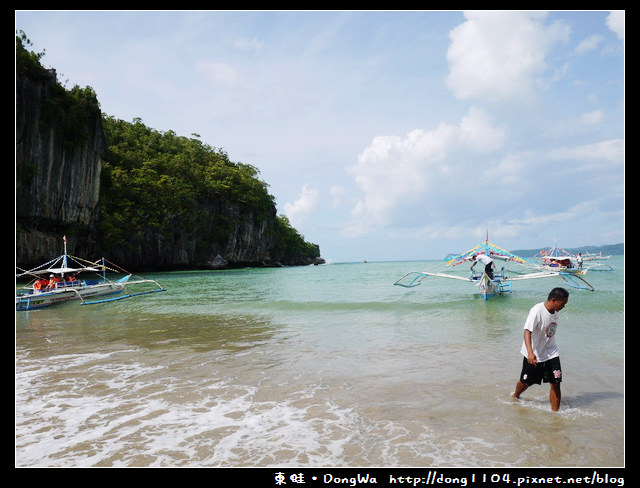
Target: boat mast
{"points": [[64, 259]]}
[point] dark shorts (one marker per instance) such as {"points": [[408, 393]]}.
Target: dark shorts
{"points": [[548, 371], [489, 270]]}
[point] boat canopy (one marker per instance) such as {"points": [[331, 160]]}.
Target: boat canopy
{"points": [[489, 249], [49, 271]]}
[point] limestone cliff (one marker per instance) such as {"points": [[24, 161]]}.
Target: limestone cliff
{"points": [[57, 172]]}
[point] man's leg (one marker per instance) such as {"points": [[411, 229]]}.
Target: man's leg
{"points": [[554, 396], [520, 387]]}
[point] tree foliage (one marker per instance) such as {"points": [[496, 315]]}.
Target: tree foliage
{"points": [[292, 244], [69, 111], [154, 182], [28, 62]]}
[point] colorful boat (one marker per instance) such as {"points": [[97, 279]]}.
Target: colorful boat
{"points": [[501, 281], [558, 259], [68, 278]]}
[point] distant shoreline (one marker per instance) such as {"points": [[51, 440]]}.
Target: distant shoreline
{"points": [[606, 250]]}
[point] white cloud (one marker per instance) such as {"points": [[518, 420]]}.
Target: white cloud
{"points": [[573, 213], [477, 131], [337, 194], [248, 44], [500, 55], [606, 153], [588, 44], [395, 172], [593, 117], [510, 170], [218, 72], [302, 208], [615, 22]]}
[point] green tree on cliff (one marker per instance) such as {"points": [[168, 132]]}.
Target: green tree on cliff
{"points": [[152, 182]]}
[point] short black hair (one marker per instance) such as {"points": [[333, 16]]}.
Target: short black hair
{"points": [[558, 294]]}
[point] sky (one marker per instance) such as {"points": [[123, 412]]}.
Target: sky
{"points": [[383, 135]]}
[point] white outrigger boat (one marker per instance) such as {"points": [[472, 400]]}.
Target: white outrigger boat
{"points": [[500, 283], [557, 259], [63, 279]]}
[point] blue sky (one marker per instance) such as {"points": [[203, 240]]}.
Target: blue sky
{"points": [[383, 135]]}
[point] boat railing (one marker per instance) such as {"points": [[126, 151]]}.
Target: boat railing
{"points": [[66, 284]]}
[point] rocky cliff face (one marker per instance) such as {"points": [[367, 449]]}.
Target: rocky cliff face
{"points": [[57, 180], [248, 241]]}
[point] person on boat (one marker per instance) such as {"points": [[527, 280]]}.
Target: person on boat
{"points": [[487, 261], [53, 282], [579, 260], [39, 285], [541, 360]]}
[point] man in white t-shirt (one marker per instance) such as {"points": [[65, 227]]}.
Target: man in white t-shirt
{"points": [[541, 358], [486, 260]]}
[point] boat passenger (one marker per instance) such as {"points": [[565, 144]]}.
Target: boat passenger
{"points": [[39, 285], [53, 282]]}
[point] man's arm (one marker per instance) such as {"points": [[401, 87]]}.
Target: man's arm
{"points": [[531, 357]]}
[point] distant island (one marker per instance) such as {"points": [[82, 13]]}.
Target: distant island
{"points": [[606, 250]]}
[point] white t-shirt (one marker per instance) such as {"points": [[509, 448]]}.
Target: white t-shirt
{"points": [[484, 259], [543, 326]]}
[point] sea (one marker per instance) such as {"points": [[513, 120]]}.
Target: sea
{"points": [[318, 366]]}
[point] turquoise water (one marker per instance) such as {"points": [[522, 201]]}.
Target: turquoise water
{"points": [[326, 365]]}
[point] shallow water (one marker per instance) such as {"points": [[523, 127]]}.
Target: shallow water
{"points": [[317, 366]]}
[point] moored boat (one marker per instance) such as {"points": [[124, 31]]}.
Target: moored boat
{"points": [[68, 278]]}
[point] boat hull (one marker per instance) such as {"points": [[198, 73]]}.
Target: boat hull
{"points": [[489, 288], [33, 299]]}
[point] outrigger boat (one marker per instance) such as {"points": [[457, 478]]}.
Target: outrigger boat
{"points": [[558, 259], [59, 281], [500, 283]]}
